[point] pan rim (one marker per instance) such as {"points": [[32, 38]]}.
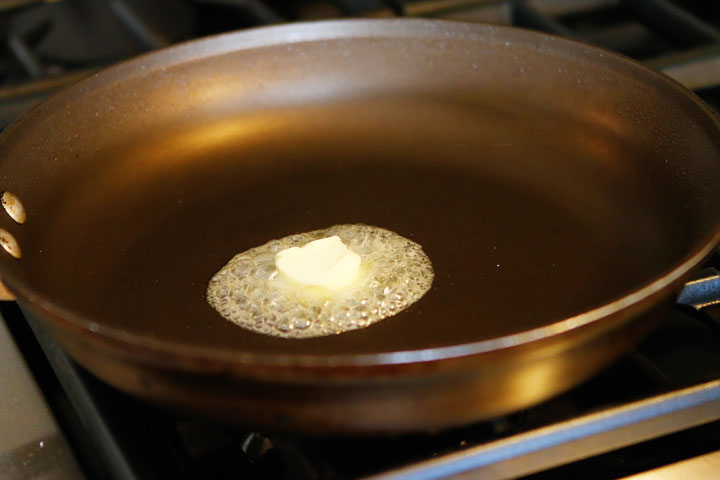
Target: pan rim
{"points": [[153, 349]]}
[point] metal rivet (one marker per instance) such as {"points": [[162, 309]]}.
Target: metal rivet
{"points": [[12, 205], [5, 294], [9, 243]]}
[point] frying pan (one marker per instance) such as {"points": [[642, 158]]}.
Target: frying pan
{"points": [[563, 194]]}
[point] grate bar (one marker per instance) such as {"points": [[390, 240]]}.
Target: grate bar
{"points": [[685, 29], [575, 439]]}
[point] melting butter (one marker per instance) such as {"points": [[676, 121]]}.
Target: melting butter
{"points": [[370, 275], [326, 263]]}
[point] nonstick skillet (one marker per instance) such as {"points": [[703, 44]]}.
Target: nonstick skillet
{"points": [[563, 194]]}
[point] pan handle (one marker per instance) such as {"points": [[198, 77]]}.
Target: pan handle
{"points": [[703, 291]]}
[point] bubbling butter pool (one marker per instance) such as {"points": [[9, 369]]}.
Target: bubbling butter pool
{"points": [[249, 291]]}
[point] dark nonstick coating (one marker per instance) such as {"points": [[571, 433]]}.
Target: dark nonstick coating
{"points": [[511, 252]]}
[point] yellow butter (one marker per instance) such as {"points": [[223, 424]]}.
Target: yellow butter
{"points": [[326, 263]]}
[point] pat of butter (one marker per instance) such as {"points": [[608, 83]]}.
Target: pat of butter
{"points": [[324, 263]]}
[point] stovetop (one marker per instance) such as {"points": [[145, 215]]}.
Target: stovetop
{"points": [[657, 405]]}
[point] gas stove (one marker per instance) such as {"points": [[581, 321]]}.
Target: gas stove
{"points": [[656, 410]]}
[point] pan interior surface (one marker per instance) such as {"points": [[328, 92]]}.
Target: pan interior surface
{"points": [[523, 228], [530, 212]]}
